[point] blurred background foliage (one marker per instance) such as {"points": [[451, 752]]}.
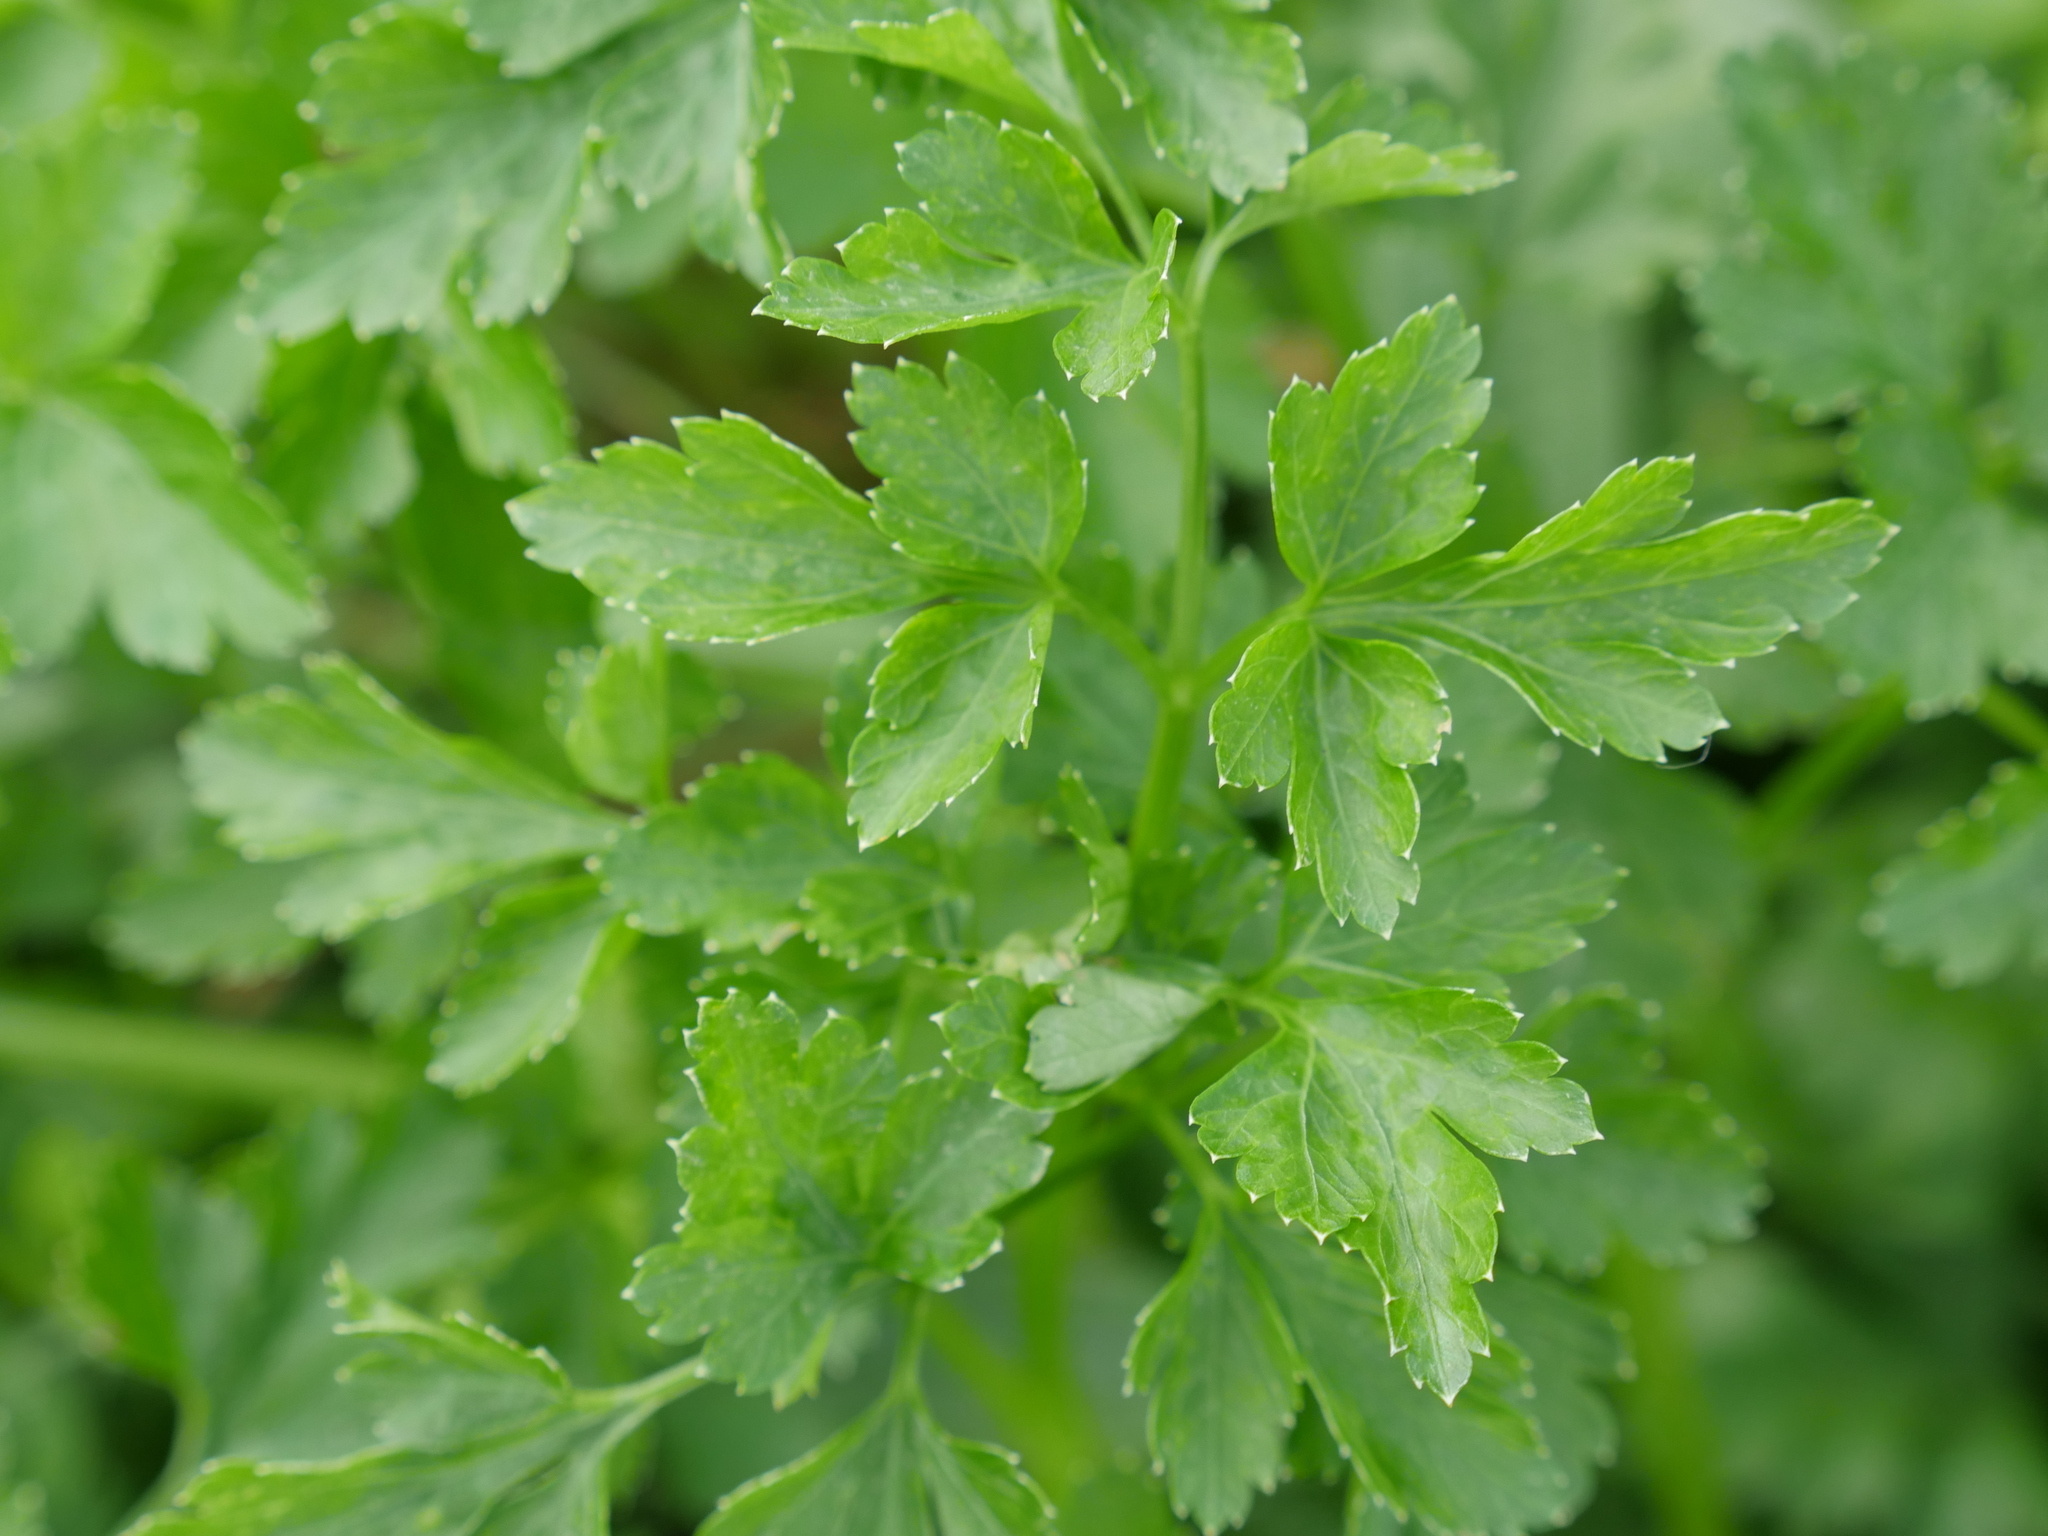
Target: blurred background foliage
{"points": [[1874, 1361]]}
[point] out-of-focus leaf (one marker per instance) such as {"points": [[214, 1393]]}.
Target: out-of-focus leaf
{"points": [[125, 497], [1974, 899], [539, 954], [1214, 85], [1670, 1174], [93, 214], [389, 814]]}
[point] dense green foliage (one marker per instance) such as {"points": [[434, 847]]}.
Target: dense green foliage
{"points": [[831, 768]]}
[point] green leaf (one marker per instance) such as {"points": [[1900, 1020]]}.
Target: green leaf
{"points": [[443, 164], [537, 37], [968, 480], [1110, 344], [390, 814], [1670, 1174], [1221, 1375], [1366, 711], [124, 496], [51, 65], [1366, 166], [732, 860], [1008, 49], [1889, 220], [1974, 899], [959, 681], [1108, 1019], [737, 537], [695, 98], [1957, 595], [1351, 1118], [1256, 1308], [1252, 721], [891, 1470], [1009, 225], [1495, 901], [1600, 624], [206, 913], [611, 706], [1343, 720], [216, 1290], [988, 1038], [165, 1267], [92, 216], [888, 905], [397, 968], [1109, 867], [445, 168], [337, 449], [484, 1435], [503, 391], [1369, 476], [818, 1168], [541, 952], [1213, 85], [1573, 1344]]}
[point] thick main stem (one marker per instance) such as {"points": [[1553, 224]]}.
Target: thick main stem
{"points": [[1671, 1427], [1158, 813], [191, 1058]]}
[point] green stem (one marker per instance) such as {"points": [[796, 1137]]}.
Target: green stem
{"points": [[910, 1347], [1797, 795], [1130, 212], [655, 1391], [1087, 143], [1157, 819], [1195, 1164], [1107, 1141], [2011, 716], [1670, 1427], [1113, 629], [193, 1059], [1076, 1161], [188, 1450]]}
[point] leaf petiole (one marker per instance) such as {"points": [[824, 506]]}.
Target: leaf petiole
{"points": [[2012, 716], [655, 1391]]}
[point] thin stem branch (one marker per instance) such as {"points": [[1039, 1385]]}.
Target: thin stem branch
{"points": [[1130, 212], [1079, 1160], [190, 1058], [1798, 793], [188, 1450], [1195, 1164], [2013, 717], [1087, 143], [657, 1390], [1114, 630]]}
